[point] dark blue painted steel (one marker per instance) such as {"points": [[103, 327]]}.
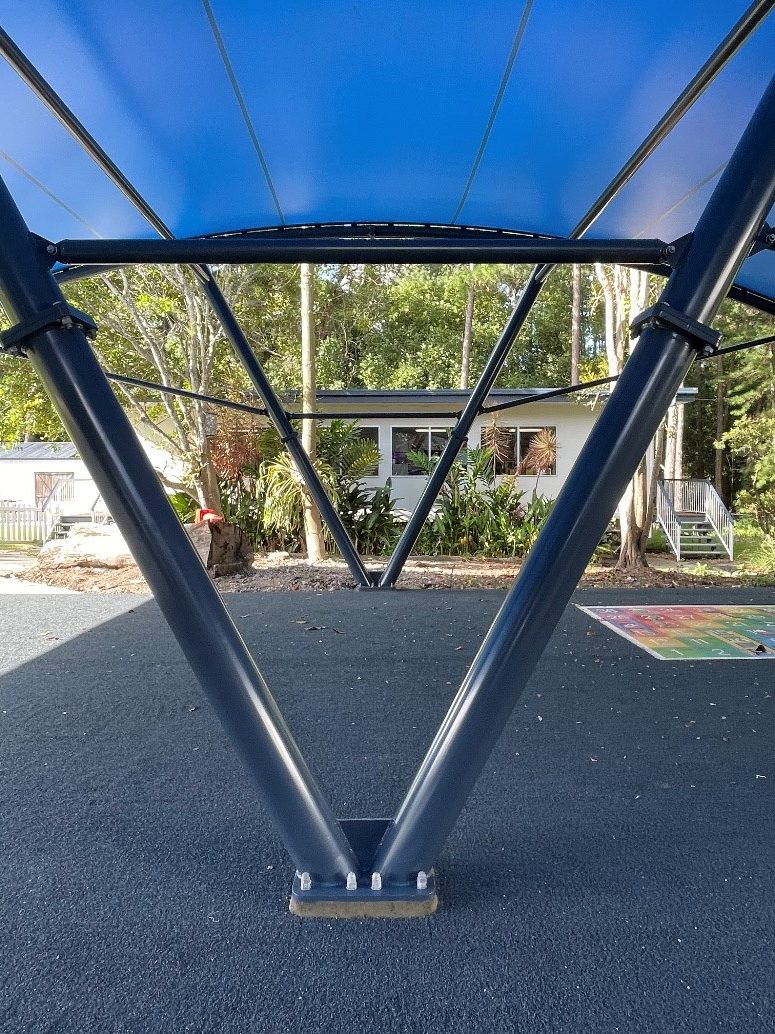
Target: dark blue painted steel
{"points": [[346, 249], [183, 589], [521, 630], [364, 836]]}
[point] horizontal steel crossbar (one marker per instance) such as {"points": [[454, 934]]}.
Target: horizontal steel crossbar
{"points": [[409, 249]]}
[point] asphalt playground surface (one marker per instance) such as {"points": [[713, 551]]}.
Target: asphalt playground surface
{"points": [[613, 871]]}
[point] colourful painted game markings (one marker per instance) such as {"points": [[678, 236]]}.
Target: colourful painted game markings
{"points": [[694, 633]]}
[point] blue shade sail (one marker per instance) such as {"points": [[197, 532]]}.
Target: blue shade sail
{"points": [[228, 114]]}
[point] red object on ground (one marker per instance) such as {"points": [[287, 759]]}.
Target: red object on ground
{"points": [[211, 516]]}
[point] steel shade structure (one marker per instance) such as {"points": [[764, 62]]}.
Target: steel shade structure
{"points": [[385, 867]]}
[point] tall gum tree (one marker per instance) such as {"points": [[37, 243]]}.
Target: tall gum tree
{"points": [[313, 525], [625, 293]]}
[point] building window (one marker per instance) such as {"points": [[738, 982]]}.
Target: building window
{"points": [[543, 440], [511, 448], [429, 441], [371, 435]]}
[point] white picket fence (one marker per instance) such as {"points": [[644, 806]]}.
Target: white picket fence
{"points": [[25, 523]]}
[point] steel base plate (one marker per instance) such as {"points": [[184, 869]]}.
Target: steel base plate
{"points": [[391, 901]]}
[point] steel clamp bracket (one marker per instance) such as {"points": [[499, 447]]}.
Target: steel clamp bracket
{"points": [[60, 314], [664, 316]]}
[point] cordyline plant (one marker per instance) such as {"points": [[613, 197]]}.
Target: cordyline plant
{"points": [[541, 455]]}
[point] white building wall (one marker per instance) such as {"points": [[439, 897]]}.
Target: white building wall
{"points": [[17, 477], [573, 423]]}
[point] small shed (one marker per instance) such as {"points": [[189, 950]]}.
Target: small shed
{"points": [[31, 471]]}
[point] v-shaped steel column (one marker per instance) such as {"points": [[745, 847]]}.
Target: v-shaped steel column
{"points": [[184, 591], [703, 274]]}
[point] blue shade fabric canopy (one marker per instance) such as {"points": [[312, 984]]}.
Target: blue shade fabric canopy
{"points": [[230, 115]]}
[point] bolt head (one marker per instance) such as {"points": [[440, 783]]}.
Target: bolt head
{"points": [[51, 249], [771, 238]]}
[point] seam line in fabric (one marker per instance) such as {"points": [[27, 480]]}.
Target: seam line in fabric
{"points": [[221, 45], [517, 43]]}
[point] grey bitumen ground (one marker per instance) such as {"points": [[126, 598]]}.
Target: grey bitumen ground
{"points": [[613, 870]]}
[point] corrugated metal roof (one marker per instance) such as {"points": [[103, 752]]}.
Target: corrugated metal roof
{"points": [[39, 451]]}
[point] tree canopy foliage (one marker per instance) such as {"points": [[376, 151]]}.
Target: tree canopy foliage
{"points": [[380, 327]]}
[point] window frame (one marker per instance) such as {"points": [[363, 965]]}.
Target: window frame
{"points": [[518, 430], [428, 430], [376, 429], [532, 430]]}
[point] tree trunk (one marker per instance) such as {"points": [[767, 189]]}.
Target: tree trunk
{"points": [[625, 293], [678, 467], [468, 330], [670, 444], [639, 505], [206, 482], [313, 526], [575, 326], [675, 446], [718, 472], [631, 521]]}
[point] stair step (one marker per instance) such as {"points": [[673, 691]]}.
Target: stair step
{"points": [[711, 544], [711, 547]]}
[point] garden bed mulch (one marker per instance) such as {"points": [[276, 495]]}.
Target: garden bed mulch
{"points": [[291, 573]]}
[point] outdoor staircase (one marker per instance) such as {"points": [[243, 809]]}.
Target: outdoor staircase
{"points": [[72, 502], [694, 519]]}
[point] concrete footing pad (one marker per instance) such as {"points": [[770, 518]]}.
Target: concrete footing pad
{"points": [[364, 909]]}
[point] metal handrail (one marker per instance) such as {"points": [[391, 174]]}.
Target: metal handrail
{"points": [[721, 520], [667, 518], [694, 496]]}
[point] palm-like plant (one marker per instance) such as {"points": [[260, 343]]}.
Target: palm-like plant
{"points": [[350, 456], [280, 485], [541, 455], [344, 459]]}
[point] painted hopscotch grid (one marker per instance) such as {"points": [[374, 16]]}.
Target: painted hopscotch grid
{"points": [[694, 633]]}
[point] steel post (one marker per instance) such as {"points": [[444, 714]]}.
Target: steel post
{"points": [[285, 429], [721, 242], [459, 435], [186, 596]]}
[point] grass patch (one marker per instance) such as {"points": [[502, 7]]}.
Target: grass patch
{"points": [[22, 548]]}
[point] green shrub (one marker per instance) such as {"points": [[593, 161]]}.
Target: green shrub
{"points": [[369, 518], [266, 498], [476, 515], [183, 505]]}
